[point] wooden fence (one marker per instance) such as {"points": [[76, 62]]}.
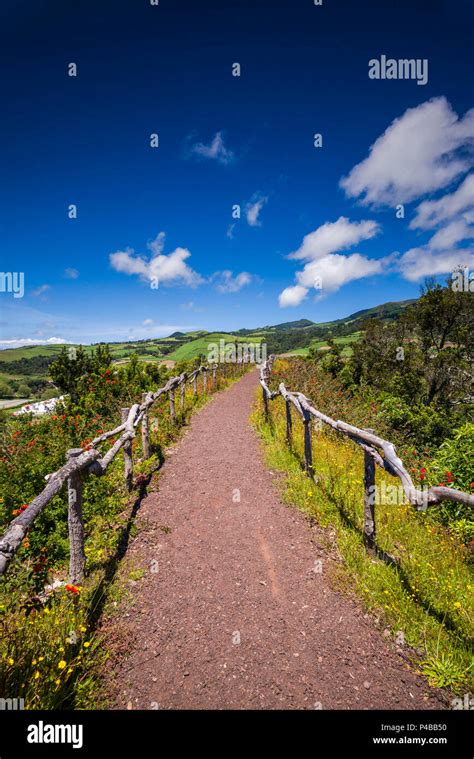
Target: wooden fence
{"points": [[376, 451], [81, 463]]}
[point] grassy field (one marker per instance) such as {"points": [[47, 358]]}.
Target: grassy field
{"points": [[346, 341], [201, 345]]}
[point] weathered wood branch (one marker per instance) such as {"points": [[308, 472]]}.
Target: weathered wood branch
{"points": [[371, 444], [16, 531]]}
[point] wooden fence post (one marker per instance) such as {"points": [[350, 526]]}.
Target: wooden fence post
{"points": [[145, 431], [369, 503], [172, 410], [308, 451], [195, 384], [214, 376], [127, 456], [289, 423], [77, 556], [204, 380], [183, 391], [265, 403]]}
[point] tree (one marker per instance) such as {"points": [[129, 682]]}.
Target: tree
{"points": [[69, 368]]}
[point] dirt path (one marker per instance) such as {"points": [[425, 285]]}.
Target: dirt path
{"points": [[234, 615]]}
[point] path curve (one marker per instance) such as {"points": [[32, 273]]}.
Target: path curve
{"points": [[235, 615]]}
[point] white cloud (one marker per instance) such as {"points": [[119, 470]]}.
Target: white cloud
{"points": [[334, 236], [422, 151], [25, 341], [252, 210], [41, 290], [147, 322], [430, 213], [230, 284], [216, 150], [163, 269], [418, 263], [191, 306], [71, 273], [230, 231], [292, 296], [335, 270], [326, 270], [453, 233]]}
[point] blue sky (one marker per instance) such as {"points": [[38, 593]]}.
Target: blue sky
{"points": [[154, 246]]}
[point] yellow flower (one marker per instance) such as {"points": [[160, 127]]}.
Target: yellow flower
{"points": [[457, 605], [11, 661], [62, 664], [33, 662], [57, 682], [37, 675], [86, 644], [83, 629], [40, 658]]}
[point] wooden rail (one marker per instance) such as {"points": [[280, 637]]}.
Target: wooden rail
{"points": [[81, 463], [376, 451]]}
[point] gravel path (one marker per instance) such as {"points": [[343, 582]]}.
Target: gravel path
{"points": [[231, 613]]}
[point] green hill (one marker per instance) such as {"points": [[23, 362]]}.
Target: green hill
{"points": [[24, 371]]}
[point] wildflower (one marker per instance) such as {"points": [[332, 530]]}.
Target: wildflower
{"points": [[57, 682], [15, 512], [457, 605], [87, 644], [24, 507], [11, 661], [83, 629], [61, 664], [72, 589], [37, 675]]}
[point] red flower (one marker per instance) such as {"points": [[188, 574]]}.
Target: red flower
{"points": [[72, 589], [24, 507]]}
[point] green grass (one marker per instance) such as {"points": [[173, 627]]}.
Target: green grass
{"points": [[345, 340], [426, 598], [195, 348]]}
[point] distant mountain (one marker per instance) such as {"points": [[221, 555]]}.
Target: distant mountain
{"points": [[385, 311], [299, 324], [24, 371]]}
